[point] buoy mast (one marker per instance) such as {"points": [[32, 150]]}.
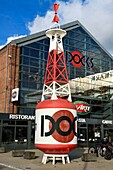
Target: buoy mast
{"points": [[56, 78]]}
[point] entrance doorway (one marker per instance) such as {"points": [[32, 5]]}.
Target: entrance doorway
{"points": [[108, 131], [82, 134], [94, 134], [89, 134]]}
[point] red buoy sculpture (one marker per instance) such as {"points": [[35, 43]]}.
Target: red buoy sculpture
{"points": [[56, 117]]}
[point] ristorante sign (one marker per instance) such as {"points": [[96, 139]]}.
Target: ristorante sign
{"points": [[21, 117], [82, 107]]}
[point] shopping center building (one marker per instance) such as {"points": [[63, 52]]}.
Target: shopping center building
{"points": [[90, 70]]}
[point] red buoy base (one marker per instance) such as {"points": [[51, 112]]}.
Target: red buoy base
{"points": [[56, 148]]}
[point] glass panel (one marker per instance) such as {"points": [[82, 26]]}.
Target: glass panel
{"points": [[25, 60], [94, 134], [25, 50], [82, 134], [34, 62], [34, 53], [8, 134], [7, 122], [21, 122], [21, 134]]}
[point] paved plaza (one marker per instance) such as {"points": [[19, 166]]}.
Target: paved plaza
{"points": [[8, 162]]}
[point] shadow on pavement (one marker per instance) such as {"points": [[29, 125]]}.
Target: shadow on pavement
{"points": [[1, 167], [85, 166], [76, 153]]}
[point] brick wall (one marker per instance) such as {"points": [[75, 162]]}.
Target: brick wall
{"points": [[9, 62]]}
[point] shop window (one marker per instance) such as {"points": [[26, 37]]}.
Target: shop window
{"points": [[21, 134], [21, 122], [82, 134], [7, 122], [7, 134], [94, 134]]}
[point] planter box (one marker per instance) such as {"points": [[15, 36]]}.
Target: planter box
{"points": [[2, 149], [17, 153], [29, 155], [89, 157]]}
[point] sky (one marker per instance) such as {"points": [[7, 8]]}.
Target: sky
{"points": [[25, 17]]}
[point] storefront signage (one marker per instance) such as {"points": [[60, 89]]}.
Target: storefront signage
{"points": [[107, 121], [77, 59], [15, 94], [21, 117], [55, 126], [81, 120], [100, 76], [83, 108]]}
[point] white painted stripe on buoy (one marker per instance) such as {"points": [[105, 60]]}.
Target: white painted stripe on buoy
{"points": [[9, 166]]}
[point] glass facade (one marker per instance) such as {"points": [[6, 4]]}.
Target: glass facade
{"points": [[33, 59]]}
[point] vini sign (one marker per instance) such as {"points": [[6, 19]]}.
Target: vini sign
{"points": [[83, 108]]}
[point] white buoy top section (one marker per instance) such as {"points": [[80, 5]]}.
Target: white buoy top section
{"points": [[56, 35]]}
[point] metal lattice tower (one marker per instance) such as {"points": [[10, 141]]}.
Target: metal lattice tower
{"points": [[56, 78]]}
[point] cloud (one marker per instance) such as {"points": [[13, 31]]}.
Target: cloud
{"points": [[95, 15], [1, 46], [40, 23], [9, 39]]}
